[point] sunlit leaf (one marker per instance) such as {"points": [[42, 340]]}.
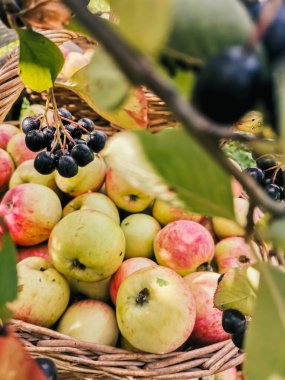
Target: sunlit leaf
{"points": [[265, 340], [145, 24], [99, 6], [40, 60], [237, 290]]}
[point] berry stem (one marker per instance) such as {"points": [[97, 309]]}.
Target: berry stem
{"points": [[75, 123], [59, 124]]}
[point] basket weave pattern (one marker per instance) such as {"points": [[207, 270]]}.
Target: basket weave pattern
{"points": [[78, 360]]}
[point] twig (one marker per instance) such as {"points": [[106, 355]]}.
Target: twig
{"points": [[139, 70]]}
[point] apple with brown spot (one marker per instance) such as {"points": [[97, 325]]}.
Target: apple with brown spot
{"points": [[208, 325], [30, 212], [235, 252], [183, 246], [126, 269]]}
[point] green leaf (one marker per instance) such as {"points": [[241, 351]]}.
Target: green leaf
{"points": [[8, 273], [198, 181], [40, 60], [108, 86], [239, 153], [99, 6], [265, 340], [237, 290], [273, 231], [145, 24]]}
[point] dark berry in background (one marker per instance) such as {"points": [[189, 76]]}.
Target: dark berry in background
{"points": [[45, 163], [87, 124], [30, 123], [233, 321], [257, 174], [96, 141], [66, 114]]}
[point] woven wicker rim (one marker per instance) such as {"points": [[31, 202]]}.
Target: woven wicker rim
{"points": [[82, 360]]}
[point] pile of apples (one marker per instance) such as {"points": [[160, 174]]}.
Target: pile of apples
{"points": [[101, 261]]}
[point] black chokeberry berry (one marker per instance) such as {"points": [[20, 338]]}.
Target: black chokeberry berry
{"points": [[30, 123], [233, 321], [52, 145], [96, 141], [238, 339], [278, 177], [87, 124], [274, 191], [274, 36], [229, 85], [82, 154], [45, 163], [66, 114], [48, 367], [35, 140], [48, 133], [76, 141], [67, 166], [59, 153], [256, 174], [265, 162]]}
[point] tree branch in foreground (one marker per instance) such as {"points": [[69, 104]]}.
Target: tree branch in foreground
{"points": [[139, 71]]}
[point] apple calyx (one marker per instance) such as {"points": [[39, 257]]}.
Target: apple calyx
{"points": [[143, 297], [133, 197], [243, 259], [205, 267], [77, 264], [42, 269]]}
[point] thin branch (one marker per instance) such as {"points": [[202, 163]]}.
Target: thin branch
{"points": [[139, 70]]}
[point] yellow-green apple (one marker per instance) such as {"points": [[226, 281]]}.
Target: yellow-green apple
{"points": [[30, 211], [124, 195], [93, 201], [36, 110], [40, 250], [18, 150], [126, 269], [235, 252], [88, 178], [155, 310], [6, 169], [236, 186], [166, 213], [87, 245], [26, 173], [229, 374], [183, 246], [140, 231], [98, 290], [43, 293], [92, 321], [208, 325], [73, 62], [225, 227], [7, 131]]}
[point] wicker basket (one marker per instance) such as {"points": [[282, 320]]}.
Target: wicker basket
{"points": [[11, 86], [78, 360]]}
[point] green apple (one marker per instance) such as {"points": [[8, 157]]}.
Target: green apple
{"points": [[43, 293], [166, 213], [88, 178], [225, 227], [93, 201], [124, 195], [92, 321], [98, 290], [155, 310], [140, 231], [87, 245], [26, 173]]}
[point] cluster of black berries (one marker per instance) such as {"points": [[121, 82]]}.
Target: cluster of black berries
{"points": [[234, 322], [65, 149], [269, 175]]}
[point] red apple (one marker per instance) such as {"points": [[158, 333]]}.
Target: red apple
{"points": [[30, 212], [208, 326], [235, 252], [40, 250], [6, 169], [127, 267], [92, 321], [7, 131], [18, 150], [183, 246]]}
